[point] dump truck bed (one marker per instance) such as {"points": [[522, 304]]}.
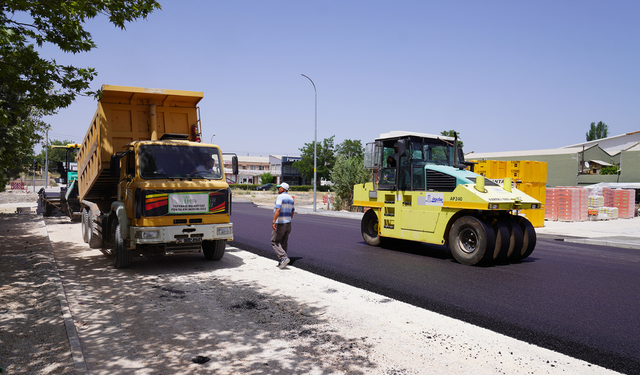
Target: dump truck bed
{"points": [[127, 114]]}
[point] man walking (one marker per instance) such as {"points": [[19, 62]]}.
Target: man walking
{"points": [[281, 224]]}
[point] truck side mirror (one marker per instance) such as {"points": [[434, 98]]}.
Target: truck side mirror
{"points": [[234, 164], [114, 168]]}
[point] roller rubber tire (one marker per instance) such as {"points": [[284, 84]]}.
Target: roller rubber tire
{"points": [[369, 228], [529, 238], [469, 240], [515, 238], [501, 249]]}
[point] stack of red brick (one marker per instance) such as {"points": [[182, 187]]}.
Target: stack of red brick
{"points": [[625, 200], [572, 203]]}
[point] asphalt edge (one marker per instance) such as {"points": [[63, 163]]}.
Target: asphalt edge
{"points": [[590, 241], [72, 334]]}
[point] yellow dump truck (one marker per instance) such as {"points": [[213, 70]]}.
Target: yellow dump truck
{"points": [[146, 184], [422, 192]]}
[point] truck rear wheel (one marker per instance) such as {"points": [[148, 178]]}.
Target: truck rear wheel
{"points": [[121, 255], [369, 228], [528, 238], [95, 237], [469, 239], [214, 250], [85, 225]]}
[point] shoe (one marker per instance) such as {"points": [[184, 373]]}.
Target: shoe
{"points": [[283, 263]]}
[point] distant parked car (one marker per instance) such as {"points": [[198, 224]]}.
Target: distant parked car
{"points": [[265, 187]]}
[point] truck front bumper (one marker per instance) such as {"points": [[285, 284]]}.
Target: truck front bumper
{"points": [[181, 234]]}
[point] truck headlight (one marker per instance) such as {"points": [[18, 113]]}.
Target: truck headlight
{"points": [[493, 206], [223, 231], [147, 234], [535, 206]]}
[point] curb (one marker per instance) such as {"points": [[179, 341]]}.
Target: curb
{"points": [[590, 241], [70, 327]]}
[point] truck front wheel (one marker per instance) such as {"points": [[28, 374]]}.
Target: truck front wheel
{"points": [[121, 255], [369, 227], [469, 239], [213, 250]]}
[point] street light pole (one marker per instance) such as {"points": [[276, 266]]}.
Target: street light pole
{"points": [[315, 143]]}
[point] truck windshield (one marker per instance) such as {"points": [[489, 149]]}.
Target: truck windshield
{"points": [[177, 161]]}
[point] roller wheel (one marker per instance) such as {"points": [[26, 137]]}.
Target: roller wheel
{"points": [[369, 227], [121, 255], [501, 231], [213, 250], [85, 225], [528, 238], [515, 238], [469, 240]]}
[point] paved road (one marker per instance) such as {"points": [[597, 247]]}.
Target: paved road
{"points": [[581, 300]]}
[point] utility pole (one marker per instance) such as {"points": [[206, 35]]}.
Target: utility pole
{"points": [[46, 161]]}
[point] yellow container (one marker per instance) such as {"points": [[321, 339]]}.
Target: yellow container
{"points": [[533, 171], [538, 191], [494, 169]]}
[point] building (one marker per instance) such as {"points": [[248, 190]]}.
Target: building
{"points": [[580, 164], [251, 167], [282, 169]]}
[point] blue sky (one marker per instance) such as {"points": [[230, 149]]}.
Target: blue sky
{"points": [[507, 75]]}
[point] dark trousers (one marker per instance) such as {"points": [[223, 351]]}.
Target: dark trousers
{"points": [[279, 239]]}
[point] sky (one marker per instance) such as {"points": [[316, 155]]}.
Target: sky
{"points": [[506, 75]]}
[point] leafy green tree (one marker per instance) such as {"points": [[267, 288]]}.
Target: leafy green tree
{"points": [[32, 86], [450, 133], [266, 178], [599, 131], [350, 148], [325, 154], [347, 172], [17, 142], [609, 170]]}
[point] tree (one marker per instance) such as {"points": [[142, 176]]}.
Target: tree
{"points": [[347, 172], [450, 133], [350, 148], [613, 169], [597, 131], [325, 160], [266, 178], [32, 86]]}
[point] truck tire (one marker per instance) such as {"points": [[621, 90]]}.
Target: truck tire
{"points": [[48, 209], [529, 238], [515, 239], [214, 250], [95, 237], [121, 255], [369, 228], [85, 225], [469, 240]]}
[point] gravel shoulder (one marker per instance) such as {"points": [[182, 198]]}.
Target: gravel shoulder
{"points": [[242, 313]]}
